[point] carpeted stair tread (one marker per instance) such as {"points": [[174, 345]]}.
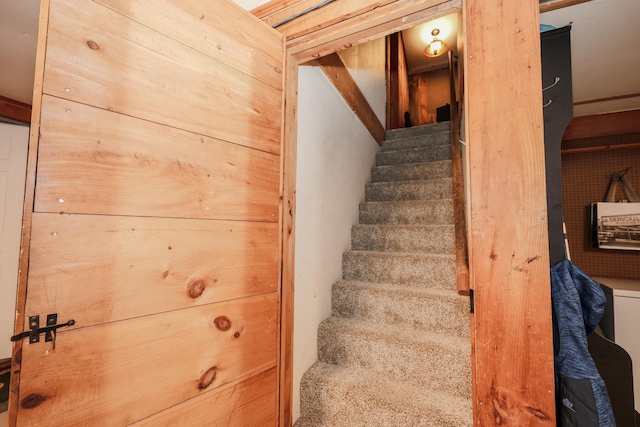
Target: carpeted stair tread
{"points": [[440, 188], [406, 354], [403, 238], [425, 270], [437, 211], [434, 309], [346, 397], [425, 140], [412, 171], [413, 155], [394, 134], [396, 350]]}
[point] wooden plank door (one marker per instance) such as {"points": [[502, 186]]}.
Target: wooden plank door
{"points": [[152, 217]]}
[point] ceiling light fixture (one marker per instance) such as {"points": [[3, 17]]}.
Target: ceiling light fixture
{"points": [[437, 47]]}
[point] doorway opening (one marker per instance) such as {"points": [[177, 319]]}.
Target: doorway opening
{"points": [[418, 91]]}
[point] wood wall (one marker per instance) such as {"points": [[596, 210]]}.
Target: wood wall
{"points": [[397, 82], [153, 217], [427, 92]]}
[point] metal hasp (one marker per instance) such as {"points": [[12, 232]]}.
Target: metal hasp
{"points": [[35, 330]]}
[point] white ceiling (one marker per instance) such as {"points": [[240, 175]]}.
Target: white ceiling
{"points": [[605, 37], [605, 52]]}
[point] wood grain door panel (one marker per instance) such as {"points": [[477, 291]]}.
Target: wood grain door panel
{"points": [[121, 372], [98, 268], [96, 162], [152, 217]]}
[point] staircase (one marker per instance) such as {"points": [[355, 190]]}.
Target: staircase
{"points": [[396, 351]]}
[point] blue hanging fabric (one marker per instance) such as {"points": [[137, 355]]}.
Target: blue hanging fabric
{"points": [[578, 305]]}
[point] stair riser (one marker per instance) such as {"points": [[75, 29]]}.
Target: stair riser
{"points": [[445, 314], [416, 212], [410, 172], [416, 155], [430, 140], [434, 240], [419, 363], [364, 411], [415, 270], [417, 131], [409, 190]]}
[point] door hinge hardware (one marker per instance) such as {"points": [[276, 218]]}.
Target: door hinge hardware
{"points": [[49, 329]]}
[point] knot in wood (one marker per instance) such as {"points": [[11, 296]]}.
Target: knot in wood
{"points": [[32, 401], [196, 288], [207, 378], [93, 45], [223, 323]]}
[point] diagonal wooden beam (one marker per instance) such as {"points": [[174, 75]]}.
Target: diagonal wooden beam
{"points": [[337, 72]]}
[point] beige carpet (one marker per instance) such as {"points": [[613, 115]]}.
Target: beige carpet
{"points": [[396, 351]]}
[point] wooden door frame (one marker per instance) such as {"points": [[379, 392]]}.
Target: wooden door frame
{"points": [[527, 383]]}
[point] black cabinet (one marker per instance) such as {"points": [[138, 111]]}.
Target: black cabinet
{"points": [[557, 99]]}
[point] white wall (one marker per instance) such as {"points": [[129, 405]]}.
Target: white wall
{"points": [[14, 142], [335, 156]]}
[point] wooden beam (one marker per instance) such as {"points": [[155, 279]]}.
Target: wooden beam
{"points": [[15, 110], [548, 5], [275, 16], [459, 206], [368, 26], [288, 206], [272, 7], [345, 23], [600, 148], [607, 98], [337, 72], [328, 15], [27, 216], [599, 125], [509, 255]]}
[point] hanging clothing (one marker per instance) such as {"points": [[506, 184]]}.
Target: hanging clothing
{"points": [[578, 305]]}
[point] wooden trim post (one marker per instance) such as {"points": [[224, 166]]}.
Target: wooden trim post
{"points": [[288, 205], [509, 255]]}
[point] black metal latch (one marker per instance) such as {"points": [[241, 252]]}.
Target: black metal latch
{"points": [[49, 330]]}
